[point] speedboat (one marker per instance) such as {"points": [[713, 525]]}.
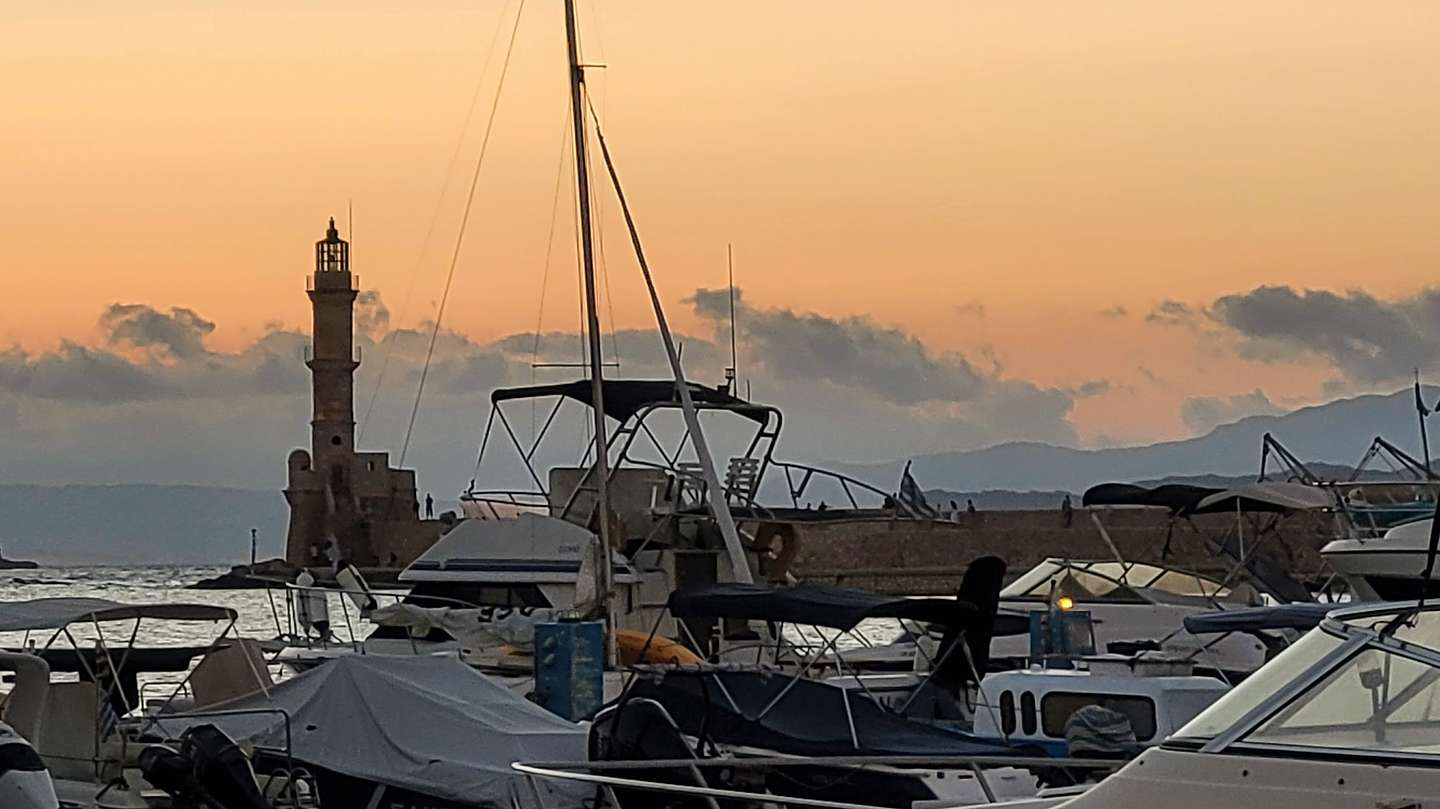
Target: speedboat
{"points": [[1386, 568], [393, 731], [791, 699], [1349, 716], [1136, 607], [73, 707]]}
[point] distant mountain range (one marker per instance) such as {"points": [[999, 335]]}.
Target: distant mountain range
{"points": [[1336, 433], [158, 524]]}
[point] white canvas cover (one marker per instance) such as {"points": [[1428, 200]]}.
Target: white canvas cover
{"points": [[430, 724]]}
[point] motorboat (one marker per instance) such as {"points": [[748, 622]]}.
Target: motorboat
{"points": [[784, 698], [397, 731], [479, 591], [75, 695], [1136, 607], [1349, 716], [1386, 568]]}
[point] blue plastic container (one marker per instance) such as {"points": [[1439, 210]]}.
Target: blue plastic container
{"points": [[570, 668]]}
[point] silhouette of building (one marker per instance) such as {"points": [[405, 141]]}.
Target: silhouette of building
{"points": [[336, 492]]}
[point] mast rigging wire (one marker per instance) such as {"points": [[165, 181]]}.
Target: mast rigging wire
{"points": [[460, 237], [434, 218]]}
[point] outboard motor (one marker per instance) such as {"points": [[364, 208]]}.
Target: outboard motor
{"points": [[209, 771], [24, 781], [980, 588]]}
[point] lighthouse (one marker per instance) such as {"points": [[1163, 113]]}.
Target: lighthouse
{"points": [[333, 360], [344, 501]]}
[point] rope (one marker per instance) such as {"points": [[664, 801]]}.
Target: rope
{"points": [[460, 237], [430, 228]]}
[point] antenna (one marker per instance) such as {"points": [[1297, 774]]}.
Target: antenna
{"points": [[350, 222], [734, 368]]}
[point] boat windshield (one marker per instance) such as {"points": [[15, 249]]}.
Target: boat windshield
{"points": [[1380, 695], [1111, 581], [1260, 686]]}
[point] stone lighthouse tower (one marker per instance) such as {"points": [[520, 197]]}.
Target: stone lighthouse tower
{"points": [[342, 500], [333, 362]]}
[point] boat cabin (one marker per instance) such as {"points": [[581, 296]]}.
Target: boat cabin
{"points": [[1033, 706]]}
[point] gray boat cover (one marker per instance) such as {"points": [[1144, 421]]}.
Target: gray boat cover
{"points": [[430, 724]]}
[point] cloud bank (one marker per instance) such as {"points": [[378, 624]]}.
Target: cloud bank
{"points": [[153, 401]]}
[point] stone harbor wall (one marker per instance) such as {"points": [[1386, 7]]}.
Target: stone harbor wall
{"points": [[898, 556]]}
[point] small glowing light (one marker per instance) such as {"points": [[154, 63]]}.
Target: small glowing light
{"points": [[1066, 603]]}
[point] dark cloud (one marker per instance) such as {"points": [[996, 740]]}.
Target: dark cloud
{"points": [[853, 389], [852, 352], [180, 332], [76, 373], [637, 351], [1093, 387], [1173, 313], [974, 309], [1201, 414], [372, 317], [1367, 340], [964, 403], [479, 371]]}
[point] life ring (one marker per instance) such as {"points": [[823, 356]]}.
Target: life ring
{"points": [[635, 648]]}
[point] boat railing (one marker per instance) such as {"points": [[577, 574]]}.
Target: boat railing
{"points": [[291, 787], [600, 774], [799, 477], [492, 501], [295, 634]]}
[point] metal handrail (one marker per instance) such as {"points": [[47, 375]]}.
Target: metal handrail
{"points": [[574, 771], [845, 483]]}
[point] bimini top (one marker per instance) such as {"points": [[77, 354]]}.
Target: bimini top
{"points": [[1183, 499], [57, 613], [795, 716], [1174, 496], [626, 397], [814, 605]]}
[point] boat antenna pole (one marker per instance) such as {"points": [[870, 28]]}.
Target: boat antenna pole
{"points": [[592, 318], [715, 494], [734, 370], [1421, 411]]}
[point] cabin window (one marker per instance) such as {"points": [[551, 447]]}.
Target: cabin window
{"points": [[1007, 713], [1057, 706], [1027, 713]]}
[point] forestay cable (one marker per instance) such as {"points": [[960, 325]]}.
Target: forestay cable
{"points": [[460, 237]]}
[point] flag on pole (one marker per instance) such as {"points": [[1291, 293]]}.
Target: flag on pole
{"points": [[912, 496]]}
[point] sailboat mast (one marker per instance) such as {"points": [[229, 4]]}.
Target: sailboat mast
{"points": [[592, 315]]}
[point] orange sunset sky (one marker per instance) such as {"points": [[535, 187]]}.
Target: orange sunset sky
{"points": [[990, 176]]}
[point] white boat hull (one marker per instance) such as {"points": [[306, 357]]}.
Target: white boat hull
{"points": [[1385, 569], [1171, 779]]}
